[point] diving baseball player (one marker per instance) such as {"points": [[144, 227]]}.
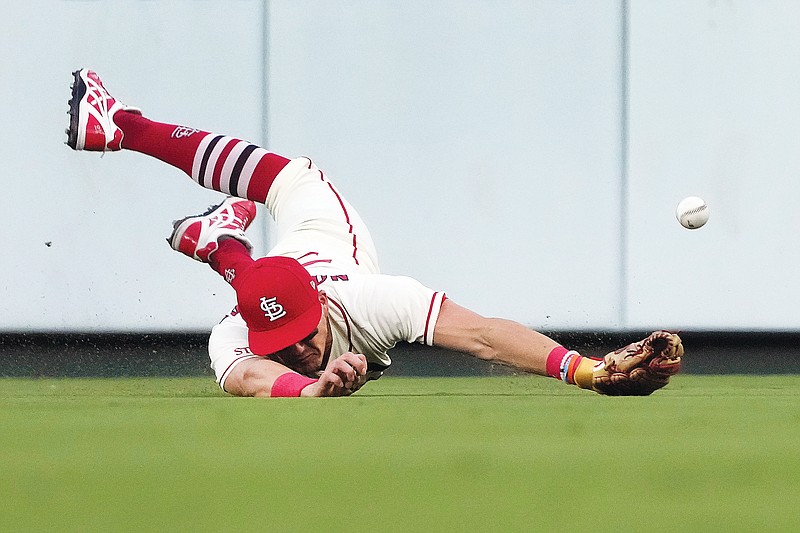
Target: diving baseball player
{"points": [[315, 317]]}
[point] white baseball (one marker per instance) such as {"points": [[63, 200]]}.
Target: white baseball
{"points": [[692, 212]]}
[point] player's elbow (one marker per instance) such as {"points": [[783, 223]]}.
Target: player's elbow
{"points": [[255, 383], [483, 339], [250, 378]]}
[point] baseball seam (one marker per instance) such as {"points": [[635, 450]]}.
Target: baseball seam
{"points": [[695, 210]]}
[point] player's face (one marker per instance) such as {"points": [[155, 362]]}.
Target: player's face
{"points": [[306, 356]]}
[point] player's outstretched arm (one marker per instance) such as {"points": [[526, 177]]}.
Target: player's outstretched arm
{"points": [[492, 339], [262, 377], [637, 369]]}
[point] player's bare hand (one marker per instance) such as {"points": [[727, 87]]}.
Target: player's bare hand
{"points": [[342, 377]]}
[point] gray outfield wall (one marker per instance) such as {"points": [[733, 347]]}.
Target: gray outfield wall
{"points": [[525, 157]]}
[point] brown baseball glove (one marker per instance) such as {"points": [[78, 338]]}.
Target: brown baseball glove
{"points": [[641, 367]]}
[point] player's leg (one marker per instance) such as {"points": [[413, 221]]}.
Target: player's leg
{"points": [[222, 163], [99, 122], [314, 220], [311, 214], [637, 369], [217, 237], [306, 206]]}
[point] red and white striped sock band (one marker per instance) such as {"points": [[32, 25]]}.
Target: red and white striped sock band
{"points": [[217, 162], [235, 167]]}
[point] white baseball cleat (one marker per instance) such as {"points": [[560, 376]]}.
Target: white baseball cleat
{"points": [[198, 236], [91, 115]]}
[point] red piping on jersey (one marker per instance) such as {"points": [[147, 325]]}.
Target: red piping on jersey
{"points": [[346, 322], [316, 261], [313, 261], [428, 319]]}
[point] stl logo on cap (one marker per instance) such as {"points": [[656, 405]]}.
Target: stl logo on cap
{"points": [[289, 312], [272, 309]]}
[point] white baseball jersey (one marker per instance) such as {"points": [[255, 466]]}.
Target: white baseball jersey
{"points": [[369, 312]]}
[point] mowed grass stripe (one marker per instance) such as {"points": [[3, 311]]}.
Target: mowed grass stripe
{"points": [[457, 454]]}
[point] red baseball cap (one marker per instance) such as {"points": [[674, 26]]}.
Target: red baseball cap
{"points": [[278, 299]]}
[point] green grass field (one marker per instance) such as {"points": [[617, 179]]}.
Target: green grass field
{"points": [[717, 453]]}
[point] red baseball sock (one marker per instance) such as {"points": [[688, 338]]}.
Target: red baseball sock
{"points": [[217, 162], [230, 258]]}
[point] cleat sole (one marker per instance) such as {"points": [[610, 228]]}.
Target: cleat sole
{"points": [[78, 88], [177, 224]]}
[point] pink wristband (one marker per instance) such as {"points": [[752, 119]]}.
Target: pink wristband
{"points": [[554, 361], [290, 385]]}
